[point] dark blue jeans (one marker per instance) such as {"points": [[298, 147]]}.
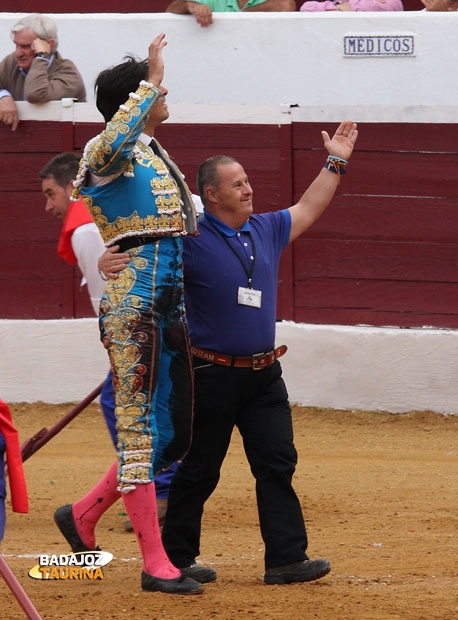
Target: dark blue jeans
{"points": [[257, 403]]}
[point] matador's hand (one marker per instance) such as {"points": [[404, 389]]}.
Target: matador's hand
{"points": [[155, 60]]}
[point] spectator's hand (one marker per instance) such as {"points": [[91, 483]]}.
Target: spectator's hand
{"points": [[435, 5], [343, 140], [156, 61], [40, 45], [438, 5], [345, 6], [201, 12], [9, 113], [111, 262]]}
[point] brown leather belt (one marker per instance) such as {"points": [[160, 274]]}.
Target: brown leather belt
{"points": [[255, 362]]}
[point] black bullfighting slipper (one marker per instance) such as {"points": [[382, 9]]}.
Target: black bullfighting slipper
{"points": [[65, 522], [308, 570], [202, 574], [179, 585]]}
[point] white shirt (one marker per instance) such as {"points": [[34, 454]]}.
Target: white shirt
{"points": [[88, 246]]}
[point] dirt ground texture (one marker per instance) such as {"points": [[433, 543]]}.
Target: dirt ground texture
{"points": [[379, 494]]}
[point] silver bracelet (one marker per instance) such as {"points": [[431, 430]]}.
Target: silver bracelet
{"points": [[103, 276]]}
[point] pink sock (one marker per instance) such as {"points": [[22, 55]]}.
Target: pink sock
{"points": [[88, 510], [141, 508]]}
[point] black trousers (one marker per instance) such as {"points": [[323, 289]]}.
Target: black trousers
{"points": [[257, 403]]}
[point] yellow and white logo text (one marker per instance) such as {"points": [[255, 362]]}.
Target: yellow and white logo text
{"points": [[85, 565]]}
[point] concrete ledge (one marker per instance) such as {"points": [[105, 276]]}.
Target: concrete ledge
{"points": [[54, 361], [226, 114], [387, 369]]}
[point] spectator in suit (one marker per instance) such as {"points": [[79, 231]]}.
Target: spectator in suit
{"points": [[35, 71]]}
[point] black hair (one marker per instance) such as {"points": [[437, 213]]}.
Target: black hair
{"points": [[63, 168], [113, 86], [208, 175]]}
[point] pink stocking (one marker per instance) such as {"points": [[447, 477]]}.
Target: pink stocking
{"points": [[141, 508], [88, 510]]}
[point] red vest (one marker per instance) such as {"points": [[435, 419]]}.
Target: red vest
{"points": [[77, 215]]}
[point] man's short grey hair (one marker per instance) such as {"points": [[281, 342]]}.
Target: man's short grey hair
{"points": [[42, 25], [208, 173]]}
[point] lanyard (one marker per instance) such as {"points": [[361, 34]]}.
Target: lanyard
{"points": [[248, 270]]}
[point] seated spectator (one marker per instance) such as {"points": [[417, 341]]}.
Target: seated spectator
{"points": [[203, 9], [36, 72], [353, 5], [440, 5]]}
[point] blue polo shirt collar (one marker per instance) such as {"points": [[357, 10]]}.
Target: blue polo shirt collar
{"points": [[224, 228]]}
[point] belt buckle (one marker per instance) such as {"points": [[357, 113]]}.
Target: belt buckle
{"points": [[256, 361]]}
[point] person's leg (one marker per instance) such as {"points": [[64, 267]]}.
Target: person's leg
{"points": [[77, 522], [162, 483], [172, 405], [266, 427], [150, 356], [163, 480], [174, 392], [141, 508], [158, 571], [133, 334], [199, 472], [107, 403]]}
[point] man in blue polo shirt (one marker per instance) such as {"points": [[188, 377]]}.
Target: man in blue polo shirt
{"points": [[230, 284], [203, 9]]}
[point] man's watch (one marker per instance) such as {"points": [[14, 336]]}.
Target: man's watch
{"points": [[44, 55]]}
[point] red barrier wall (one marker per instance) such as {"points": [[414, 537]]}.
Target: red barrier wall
{"points": [[384, 253]]}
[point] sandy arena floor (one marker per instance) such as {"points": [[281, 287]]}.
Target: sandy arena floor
{"points": [[379, 494]]}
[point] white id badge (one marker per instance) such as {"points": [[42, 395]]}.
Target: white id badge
{"points": [[249, 297]]}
